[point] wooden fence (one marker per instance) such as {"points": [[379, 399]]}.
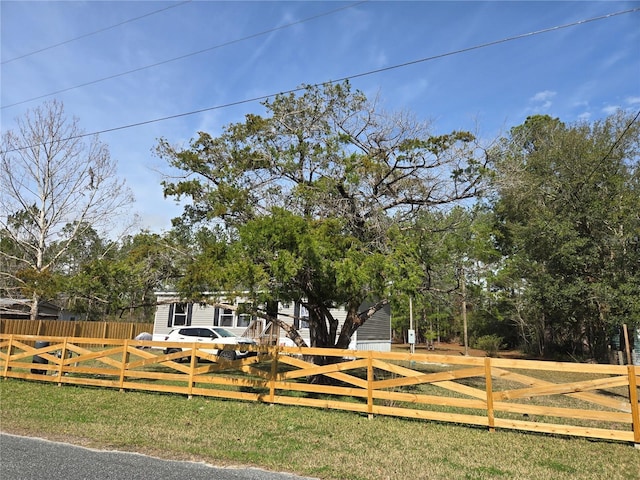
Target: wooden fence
{"points": [[586, 400], [67, 328]]}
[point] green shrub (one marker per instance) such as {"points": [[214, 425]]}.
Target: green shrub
{"points": [[490, 344]]}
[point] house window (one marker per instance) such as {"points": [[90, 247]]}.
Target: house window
{"points": [[226, 317], [244, 319], [180, 314]]}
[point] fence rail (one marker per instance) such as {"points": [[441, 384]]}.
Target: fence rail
{"points": [[586, 400]]}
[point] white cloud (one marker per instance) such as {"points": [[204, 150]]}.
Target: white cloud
{"points": [[544, 96], [583, 117], [543, 100], [632, 100], [611, 60]]}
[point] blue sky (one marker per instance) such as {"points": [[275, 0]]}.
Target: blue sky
{"points": [[255, 49]]}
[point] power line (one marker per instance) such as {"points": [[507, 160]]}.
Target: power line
{"points": [[187, 55], [497, 42], [543, 230], [349, 77], [94, 33], [613, 146]]}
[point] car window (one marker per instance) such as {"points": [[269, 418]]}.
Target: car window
{"points": [[190, 332], [206, 333], [223, 333]]}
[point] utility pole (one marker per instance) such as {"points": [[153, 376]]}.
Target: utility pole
{"points": [[412, 334], [463, 287]]}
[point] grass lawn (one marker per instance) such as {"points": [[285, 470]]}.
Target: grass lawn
{"points": [[312, 442]]}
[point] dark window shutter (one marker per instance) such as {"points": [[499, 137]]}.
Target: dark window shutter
{"points": [[216, 316], [189, 313], [170, 322], [296, 316]]}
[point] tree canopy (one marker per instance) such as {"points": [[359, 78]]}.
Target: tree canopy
{"points": [[328, 201], [567, 210], [309, 195]]}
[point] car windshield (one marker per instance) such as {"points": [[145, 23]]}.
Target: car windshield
{"points": [[224, 333]]}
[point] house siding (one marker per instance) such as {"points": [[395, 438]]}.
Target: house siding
{"points": [[378, 327], [375, 336]]}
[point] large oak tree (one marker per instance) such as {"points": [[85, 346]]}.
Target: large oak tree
{"points": [[304, 197]]}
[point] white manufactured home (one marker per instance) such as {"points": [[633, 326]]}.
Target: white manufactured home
{"points": [[171, 312]]}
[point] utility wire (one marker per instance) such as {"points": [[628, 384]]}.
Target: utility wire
{"points": [[94, 33], [543, 230], [198, 52], [497, 42], [613, 146], [339, 80]]}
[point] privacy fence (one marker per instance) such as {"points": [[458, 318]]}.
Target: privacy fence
{"points": [[585, 400], [66, 328]]}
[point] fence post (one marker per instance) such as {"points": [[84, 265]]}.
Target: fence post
{"points": [[63, 356], [274, 374], [489, 383], [192, 370], [635, 409], [370, 384], [125, 360], [6, 368]]}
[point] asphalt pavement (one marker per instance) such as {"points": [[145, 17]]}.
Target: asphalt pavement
{"points": [[26, 458]]}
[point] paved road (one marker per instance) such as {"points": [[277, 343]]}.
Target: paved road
{"points": [[25, 458]]}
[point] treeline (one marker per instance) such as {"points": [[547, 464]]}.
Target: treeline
{"points": [[551, 253], [98, 278], [531, 241]]}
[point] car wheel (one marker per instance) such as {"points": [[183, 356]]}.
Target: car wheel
{"points": [[174, 350], [227, 354]]}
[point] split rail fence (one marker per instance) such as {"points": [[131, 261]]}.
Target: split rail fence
{"points": [[585, 400]]}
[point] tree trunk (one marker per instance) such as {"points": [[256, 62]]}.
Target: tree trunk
{"points": [[35, 306], [465, 328]]}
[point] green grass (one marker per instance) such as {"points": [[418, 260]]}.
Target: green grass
{"points": [[312, 442]]}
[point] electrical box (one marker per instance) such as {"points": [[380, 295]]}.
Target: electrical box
{"points": [[411, 335]]}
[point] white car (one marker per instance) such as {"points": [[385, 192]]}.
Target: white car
{"points": [[210, 335]]}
